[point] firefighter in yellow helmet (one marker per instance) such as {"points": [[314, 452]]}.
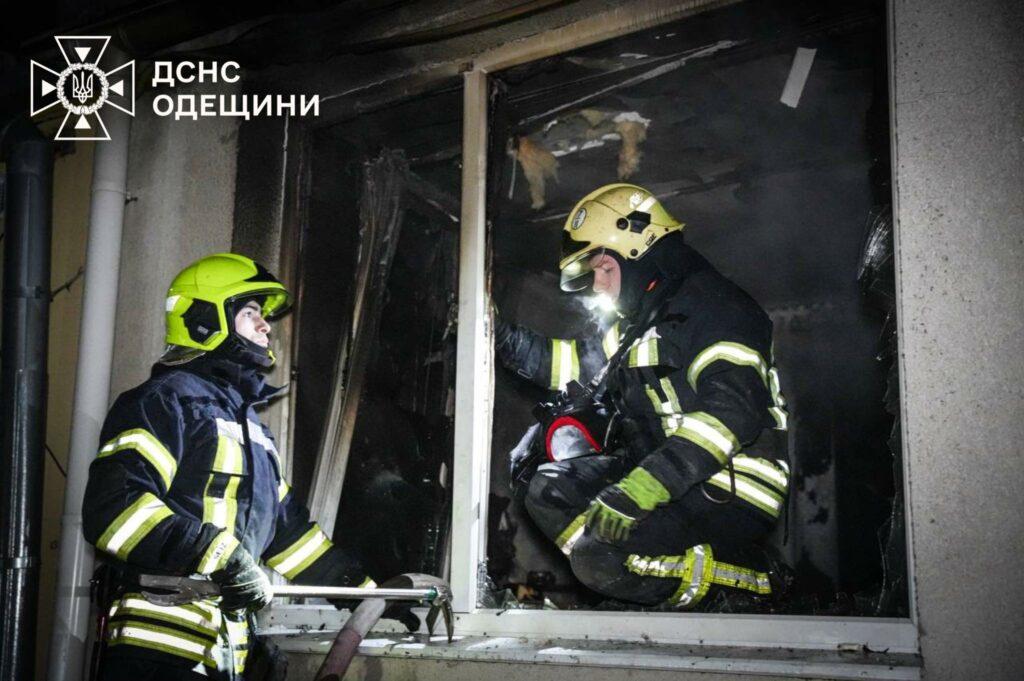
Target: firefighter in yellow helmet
{"points": [[187, 481], [671, 501]]}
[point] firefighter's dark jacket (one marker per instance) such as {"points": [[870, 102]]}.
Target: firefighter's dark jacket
{"points": [[185, 472], [699, 382]]}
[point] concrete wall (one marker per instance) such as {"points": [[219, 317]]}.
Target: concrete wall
{"points": [[959, 154], [181, 187]]}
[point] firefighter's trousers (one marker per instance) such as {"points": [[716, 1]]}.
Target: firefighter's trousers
{"points": [[675, 555]]}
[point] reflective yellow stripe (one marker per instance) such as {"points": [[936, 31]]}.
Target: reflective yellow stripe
{"points": [[707, 432], [238, 633], [644, 352], [217, 553], [565, 363], [734, 353], [610, 342], [753, 493], [571, 534], [229, 456], [763, 469], [146, 444], [164, 639], [282, 489], [738, 577], [301, 554], [737, 353], [191, 618], [671, 411], [132, 525], [368, 583], [778, 410], [694, 569], [697, 570], [221, 510]]}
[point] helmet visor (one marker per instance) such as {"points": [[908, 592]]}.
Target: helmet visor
{"points": [[578, 274], [274, 302]]}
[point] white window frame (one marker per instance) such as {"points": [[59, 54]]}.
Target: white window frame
{"points": [[474, 401], [473, 421]]}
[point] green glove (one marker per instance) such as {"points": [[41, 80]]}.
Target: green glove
{"points": [[619, 508], [243, 585]]}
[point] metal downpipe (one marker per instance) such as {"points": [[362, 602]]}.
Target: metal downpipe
{"points": [[26, 314], [92, 394]]}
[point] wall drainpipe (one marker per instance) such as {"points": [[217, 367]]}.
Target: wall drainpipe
{"points": [[92, 394], [26, 314]]}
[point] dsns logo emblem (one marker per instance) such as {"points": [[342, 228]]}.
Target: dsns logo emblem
{"points": [[83, 88]]}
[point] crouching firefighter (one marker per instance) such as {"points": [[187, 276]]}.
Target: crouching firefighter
{"points": [[659, 476], [188, 482]]}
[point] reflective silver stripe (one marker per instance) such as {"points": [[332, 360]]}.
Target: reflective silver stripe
{"points": [[222, 510], [146, 444], [565, 365], [610, 342], [644, 352], [747, 490], [300, 554], [211, 621], [696, 576], [646, 205], [570, 542], [217, 553], [132, 525], [735, 353], [160, 638], [780, 416], [671, 411], [708, 432], [763, 469], [660, 566], [743, 578], [773, 382], [778, 410], [231, 429], [257, 435], [567, 539]]}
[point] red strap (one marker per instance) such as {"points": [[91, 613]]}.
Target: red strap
{"points": [[567, 421]]}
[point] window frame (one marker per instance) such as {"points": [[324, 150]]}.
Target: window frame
{"points": [[474, 401], [473, 421]]}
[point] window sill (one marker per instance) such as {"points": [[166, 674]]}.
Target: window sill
{"points": [[776, 646]]}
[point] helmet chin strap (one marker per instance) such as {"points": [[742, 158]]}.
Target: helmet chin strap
{"points": [[245, 352]]}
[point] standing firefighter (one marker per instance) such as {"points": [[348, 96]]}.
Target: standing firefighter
{"points": [[671, 500], [188, 482]]}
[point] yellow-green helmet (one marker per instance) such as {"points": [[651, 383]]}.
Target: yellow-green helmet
{"points": [[199, 299], [623, 218]]}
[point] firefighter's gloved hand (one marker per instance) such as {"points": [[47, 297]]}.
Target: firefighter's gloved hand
{"points": [[619, 508], [243, 585]]}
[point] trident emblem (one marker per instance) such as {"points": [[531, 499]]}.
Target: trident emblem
{"points": [[81, 87]]}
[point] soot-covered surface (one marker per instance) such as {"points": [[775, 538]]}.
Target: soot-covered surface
{"points": [[395, 507]]}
